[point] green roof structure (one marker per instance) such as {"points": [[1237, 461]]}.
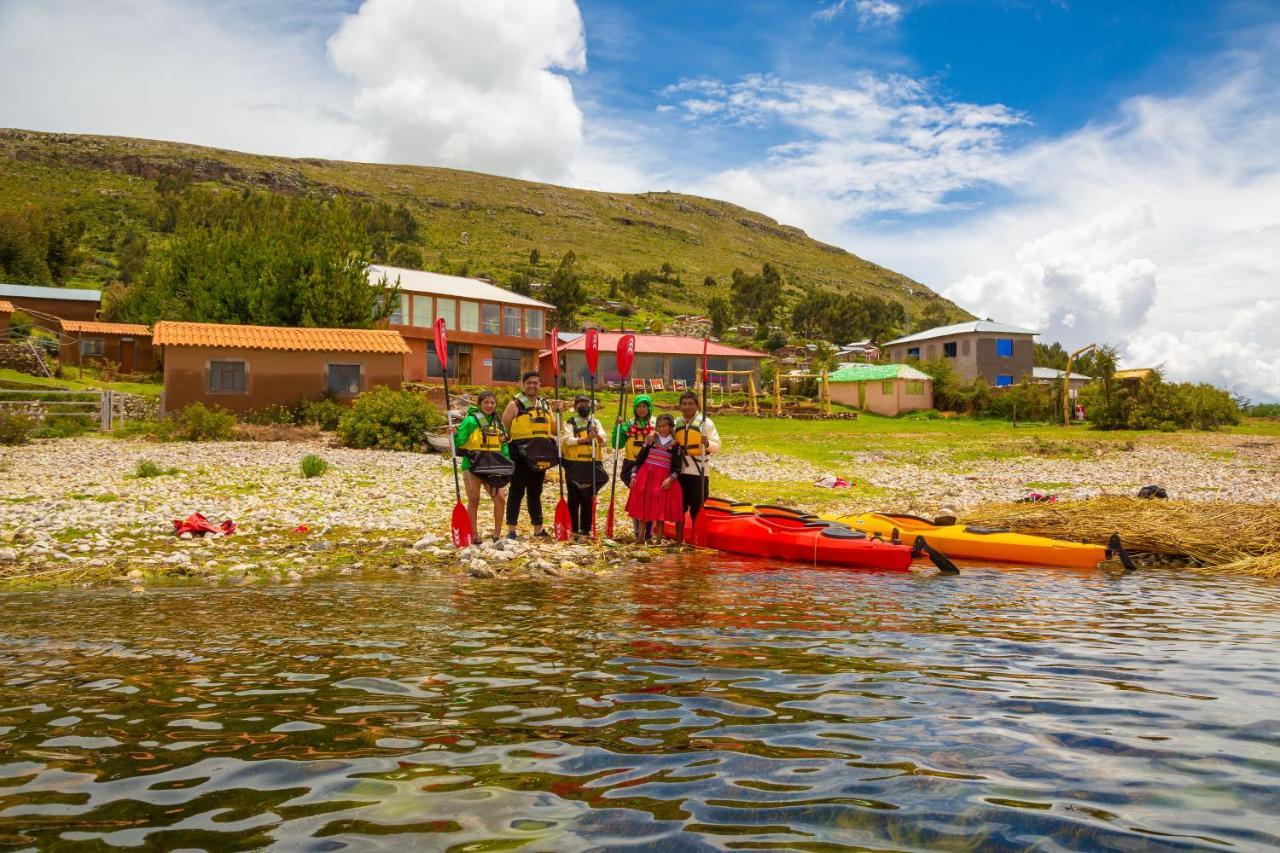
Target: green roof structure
{"points": [[876, 373]]}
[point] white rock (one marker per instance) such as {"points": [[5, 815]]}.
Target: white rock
{"points": [[427, 540], [135, 575], [186, 535], [8, 555]]}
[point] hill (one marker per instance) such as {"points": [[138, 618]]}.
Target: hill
{"points": [[467, 222]]}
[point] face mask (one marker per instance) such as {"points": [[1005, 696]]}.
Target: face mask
{"points": [[583, 411]]}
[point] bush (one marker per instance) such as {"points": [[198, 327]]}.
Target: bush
{"points": [[391, 420], [270, 416], [195, 422], [147, 469], [1155, 404], [1264, 410], [15, 427], [20, 324], [64, 427], [322, 413], [1028, 401], [313, 466]]}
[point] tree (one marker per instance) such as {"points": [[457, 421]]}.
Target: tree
{"points": [[260, 259], [131, 255], [721, 314], [38, 246], [1051, 355], [667, 271], [637, 283], [565, 291], [839, 317], [708, 282], [535, 257], [934, 314], [757, 296], [520, 283]]}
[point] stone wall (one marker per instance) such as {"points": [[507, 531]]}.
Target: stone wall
{"points": [[17, 357]]}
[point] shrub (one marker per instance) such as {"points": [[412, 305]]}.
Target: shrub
{"points": [[63, 427], [322, 413], [195, 422], [391, 420], [313, 466], [15, 427], [1028, 401], [269, 416], [147, 469], [1153, 403], [20, 324]]}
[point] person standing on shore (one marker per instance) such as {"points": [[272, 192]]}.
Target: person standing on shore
{"points": [[486, 462], [531, 433], [583, 456], [699, 439]]}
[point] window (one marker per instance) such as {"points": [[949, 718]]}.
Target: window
{"points": [[448, 309], [400, 316], [913, 352], [886, 387], [343, 379], [915, 388], [506, 364], [1003, 380], [421, 310], [227, 377], [492, 324], [532, 323], [91, 346], [1004, 347], [469, 316], [510, 321], [950, 349], [455, 363]]}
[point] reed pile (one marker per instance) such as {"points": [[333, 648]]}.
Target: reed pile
{"points": [[1223, 535]]}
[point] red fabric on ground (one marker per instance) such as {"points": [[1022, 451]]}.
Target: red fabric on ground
{"points": [[197, 525]]}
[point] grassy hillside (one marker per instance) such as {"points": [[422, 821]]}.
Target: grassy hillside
{"points": [[480, 224]]}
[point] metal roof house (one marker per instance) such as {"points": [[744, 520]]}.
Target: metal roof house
{"points": [[886, 389], [999, 353], [1053, 376], [494, 334], [63, 303]]}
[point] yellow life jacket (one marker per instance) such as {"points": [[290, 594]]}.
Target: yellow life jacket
{"points": [[586, 451], [635, 438], [690, 437], [532, 421], [486, 437]]}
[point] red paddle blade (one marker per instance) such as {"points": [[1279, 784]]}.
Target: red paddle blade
{"points": [[460, 526], [608, 523], [626, 354], [593, 350], [562, 523], [442, 346]]}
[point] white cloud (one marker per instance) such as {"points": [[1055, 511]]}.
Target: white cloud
{"points": [[472, 85], [871, 13]]}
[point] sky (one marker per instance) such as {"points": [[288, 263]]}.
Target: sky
{"points": [[1098, 171]]}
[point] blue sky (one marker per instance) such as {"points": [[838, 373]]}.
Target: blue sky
{"points": [[1097, 170]]}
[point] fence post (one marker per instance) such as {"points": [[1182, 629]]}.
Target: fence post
{"points": [[104, 415]]}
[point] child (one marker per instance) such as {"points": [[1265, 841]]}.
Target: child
{"points": [[655, 491]]}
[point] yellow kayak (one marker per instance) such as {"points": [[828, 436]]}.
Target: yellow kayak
{"points": [[972, 542]]}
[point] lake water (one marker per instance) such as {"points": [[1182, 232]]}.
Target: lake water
{"points": [[695, 706]]}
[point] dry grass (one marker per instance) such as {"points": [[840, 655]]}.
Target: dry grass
{"points": [[1242, 538]]}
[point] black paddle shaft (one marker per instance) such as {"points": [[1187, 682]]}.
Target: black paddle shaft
{"points": [[613, 484], [453, 451]]}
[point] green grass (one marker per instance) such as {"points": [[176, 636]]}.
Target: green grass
{"points": [[23, 381], [147, 469], [502, 219], [313, 466]]}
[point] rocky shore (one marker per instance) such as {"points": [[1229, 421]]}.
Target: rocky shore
{"points": [[73, 511]]}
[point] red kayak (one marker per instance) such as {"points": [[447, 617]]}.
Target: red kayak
{"points": [[783, 534]]}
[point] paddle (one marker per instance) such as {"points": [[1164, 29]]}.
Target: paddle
{"points": [[626, 354], [939, 559], [460, 524], [593, 359], [703, 485], [561, 520]]}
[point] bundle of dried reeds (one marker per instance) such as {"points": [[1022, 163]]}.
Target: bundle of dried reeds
{"points": [[1223, 535]]}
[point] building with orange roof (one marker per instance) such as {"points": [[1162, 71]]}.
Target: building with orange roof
{"points": [[6, 312], [126, 345], [248, 368]]}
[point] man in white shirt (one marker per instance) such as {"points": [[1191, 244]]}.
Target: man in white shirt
{"points": [[699, 439]]}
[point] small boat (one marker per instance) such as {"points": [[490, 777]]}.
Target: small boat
{"points": [[794, 537], [973, 542]]}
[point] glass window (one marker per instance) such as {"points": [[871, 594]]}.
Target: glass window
{"points": [[506, 364], [448, 309], [913, 352], [492, 323], [91, 346], [886, 387], [421, 310], [1003, 380], [682, 367], [227, 377], [1004, 347], [510, 321], [532, 323], [343, 379], [950, 349], [469, 316], [433, 363], [400, 316]]}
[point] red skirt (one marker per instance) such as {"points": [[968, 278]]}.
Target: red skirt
{"points": [[648, 501]]}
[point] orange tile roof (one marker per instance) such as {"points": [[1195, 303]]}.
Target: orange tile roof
{"points": [[6, 307], [93, 327], [171, 333]]}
